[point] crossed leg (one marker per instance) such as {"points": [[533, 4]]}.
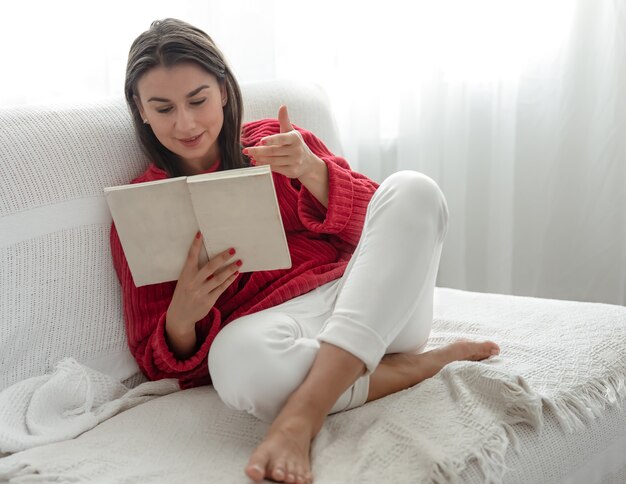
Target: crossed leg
{"points": [[382, 312], [284, 454]]}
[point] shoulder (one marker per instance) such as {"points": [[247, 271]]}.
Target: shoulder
{"points": [[151, 173]]}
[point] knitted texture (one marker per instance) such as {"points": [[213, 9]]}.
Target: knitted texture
{"points": [[556, 393], [58, 290], [69, 401], [321, 241]]}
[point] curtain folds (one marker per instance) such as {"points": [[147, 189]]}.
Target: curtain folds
{"points": [[531, 157], [516, 108]]}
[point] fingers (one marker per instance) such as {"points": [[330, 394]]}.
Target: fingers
{"points": [[284, 144], [281, 139], [228, 280], [217, 282], [200, 274], [279, 149], [214, 264], [283, 119], [193, 256], [285, 152], [263, 152]]}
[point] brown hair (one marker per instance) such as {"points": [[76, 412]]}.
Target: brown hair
{"points": [[169, 42]]}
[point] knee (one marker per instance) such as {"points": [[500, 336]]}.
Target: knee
{"points": [[418, 194], [235, 360], [250, 370]]}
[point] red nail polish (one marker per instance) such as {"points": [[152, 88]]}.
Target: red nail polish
{"points": [[245, 151], [239, 263], [231, 251], [198, 234]]}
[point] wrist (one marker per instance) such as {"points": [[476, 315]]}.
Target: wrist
{"points": [[178, 327], [316, 171], [181, 340], [316, 180], [181, 333]]}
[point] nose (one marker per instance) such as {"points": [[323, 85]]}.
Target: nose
{"points": [[185, 122]]}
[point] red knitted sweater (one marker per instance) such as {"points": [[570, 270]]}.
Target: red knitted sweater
{"points": [[321, 241]]}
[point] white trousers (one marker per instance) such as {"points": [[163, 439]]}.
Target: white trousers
{"points": [[382, 304]]}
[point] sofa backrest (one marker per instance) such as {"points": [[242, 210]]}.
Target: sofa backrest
{"points": [[59, 295]]}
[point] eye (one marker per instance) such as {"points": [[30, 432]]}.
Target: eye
{"points": [[198, 103], [164, 110]]}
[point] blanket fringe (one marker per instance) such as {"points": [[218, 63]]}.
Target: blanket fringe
{"points": [[523, 405], [490, 460], [573, 410], [576, 408]]}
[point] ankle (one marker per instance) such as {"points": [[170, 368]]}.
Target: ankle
{"points": [[385, 380], [400, 371], [302, 411], [297, 422]]}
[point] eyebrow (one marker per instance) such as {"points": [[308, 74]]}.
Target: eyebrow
{"points": [[191, 94]]}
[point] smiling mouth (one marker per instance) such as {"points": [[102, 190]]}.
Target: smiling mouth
{"points": [[189, 140]]}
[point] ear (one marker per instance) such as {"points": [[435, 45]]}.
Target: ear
{"points": [[224, 94]]}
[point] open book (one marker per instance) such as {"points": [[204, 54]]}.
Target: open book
{"points": [[157, 221]]}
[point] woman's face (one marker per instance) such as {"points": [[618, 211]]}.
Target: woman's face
{"points": [[184, 106]]}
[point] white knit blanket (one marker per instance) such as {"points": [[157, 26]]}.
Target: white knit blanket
{"points": [[72, 399], [568, 356]]}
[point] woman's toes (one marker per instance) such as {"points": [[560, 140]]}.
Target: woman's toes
{"points": [[257, 465], [282, 457], [494, 349], [473, 350], [485, 350], [299, 473], [255, 472], [289, 475], [304, 478], [278, 473]]}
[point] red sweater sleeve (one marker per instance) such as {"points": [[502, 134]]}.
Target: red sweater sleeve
{"points": [[349, 192], [144, 313]]}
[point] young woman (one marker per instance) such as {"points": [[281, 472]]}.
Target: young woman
{"points": [[346, 324]]}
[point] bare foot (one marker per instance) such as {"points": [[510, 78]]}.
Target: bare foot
{"points": [[467, 350], [284, 454], [398, 371]]}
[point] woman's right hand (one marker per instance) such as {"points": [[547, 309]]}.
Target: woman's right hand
{"points": [[198, 288]]}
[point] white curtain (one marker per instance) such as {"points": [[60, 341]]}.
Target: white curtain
{"points": [[516, 108]]}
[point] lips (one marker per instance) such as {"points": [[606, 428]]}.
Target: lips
{"points": [[191, 142]]}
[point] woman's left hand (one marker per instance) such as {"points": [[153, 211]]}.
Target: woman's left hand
{"points": [[287, 153]]}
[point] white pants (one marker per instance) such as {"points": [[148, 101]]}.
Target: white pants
{"points": [[382, 304]]}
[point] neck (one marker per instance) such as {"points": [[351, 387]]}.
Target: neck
{"points": [[201, 165]]}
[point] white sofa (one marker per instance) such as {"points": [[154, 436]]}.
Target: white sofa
{"points": [[59, 298]]}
